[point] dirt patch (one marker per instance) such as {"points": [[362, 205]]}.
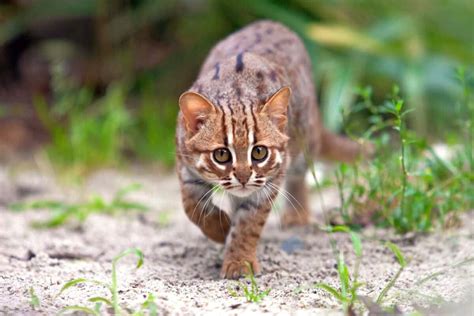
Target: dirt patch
{"points": [[181, 266]]}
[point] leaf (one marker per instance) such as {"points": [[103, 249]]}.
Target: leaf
{"points": [[47, 204], [344, 36], [126, 190], [396, 251], [77, 308], [75, 282], [34, 300], [127, 206], [150, 304], [343, 275], [330, 290], [339, 229], [55, 221], [355, 237], [100, 299], [127, 252], [356, 243], [97, 307], [71, 284], [399, 106]]}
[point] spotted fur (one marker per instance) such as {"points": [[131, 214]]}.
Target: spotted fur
{"points": [[241, 99]]}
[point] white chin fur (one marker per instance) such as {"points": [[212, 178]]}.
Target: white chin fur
{"points": [[241, 192]]}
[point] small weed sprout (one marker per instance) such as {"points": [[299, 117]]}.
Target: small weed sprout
{"points": [[401, 260], [347, 294], [148, 305], [62, 212], [113, 302], [252, 292], [34, 300], [164, 219]]}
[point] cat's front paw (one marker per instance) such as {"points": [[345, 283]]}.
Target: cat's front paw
{"points": [[236, 268]]}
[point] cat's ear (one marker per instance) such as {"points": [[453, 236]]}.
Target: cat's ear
{"points": [[277, 107], [196, 109]]}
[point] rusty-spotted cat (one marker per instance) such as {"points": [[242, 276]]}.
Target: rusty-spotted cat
{"points": [[246, 126]]}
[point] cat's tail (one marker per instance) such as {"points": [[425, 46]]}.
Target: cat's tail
{"points": [[340, 148]]}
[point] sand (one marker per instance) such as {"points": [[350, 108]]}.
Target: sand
{"points": [[181, 266]]}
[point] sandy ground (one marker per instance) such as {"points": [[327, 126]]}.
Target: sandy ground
{"points": [[181, 266]]}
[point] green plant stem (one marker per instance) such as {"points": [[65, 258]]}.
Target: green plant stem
{"points": [[114, 290], [389, 285], [340, 187], [404, 170]]}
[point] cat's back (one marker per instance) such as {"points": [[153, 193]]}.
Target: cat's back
{"points": [[268, 39]]}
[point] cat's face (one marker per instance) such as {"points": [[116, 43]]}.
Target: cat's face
{"points": [[239, 151]]}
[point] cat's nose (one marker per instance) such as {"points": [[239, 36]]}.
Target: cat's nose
{"points": [[243, 177]]}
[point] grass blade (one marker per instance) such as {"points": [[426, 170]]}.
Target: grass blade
{"points": [[77, 308], [150, 305], [113, 288], [127, 252], [398, 254], [330, 290], [356, 243], [34, 300], [401, 260], [100, 299], [75, 282]]}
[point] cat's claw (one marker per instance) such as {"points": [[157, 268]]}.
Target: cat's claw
{"points": [[234, 269]]}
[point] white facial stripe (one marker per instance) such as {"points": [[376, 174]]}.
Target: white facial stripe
{"points": [[253, 176], [249, 155], [278, 158], [200, 161], [251, 136], [230, 138]]}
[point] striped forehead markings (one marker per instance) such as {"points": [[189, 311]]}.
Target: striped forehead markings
{"points": [[239, 63], [216, 72]]}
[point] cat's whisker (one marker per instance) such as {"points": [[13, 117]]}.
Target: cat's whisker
{"points": [[205, 213], [272, 205], [285, 194], [209, 202], [221, 209], [198, 202], [277, 210]]}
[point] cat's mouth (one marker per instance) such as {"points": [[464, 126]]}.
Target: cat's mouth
{"points": [[242, 191]]}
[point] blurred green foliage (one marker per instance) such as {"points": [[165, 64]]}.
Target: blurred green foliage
{"points": [[147, 52]]}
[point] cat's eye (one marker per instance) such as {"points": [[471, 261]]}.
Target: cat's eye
{"points": [[222, 155], [259, 153]]}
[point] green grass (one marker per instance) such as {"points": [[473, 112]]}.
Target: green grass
{"points": [[250, 289], [148, 307], [62, 213], [351, 43], [407, 185], [89, 131], [34, 299], [86, 131], [346, 292]]}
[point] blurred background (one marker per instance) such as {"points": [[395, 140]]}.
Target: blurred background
{"points": [[95, 83]]}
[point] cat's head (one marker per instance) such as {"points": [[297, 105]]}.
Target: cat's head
{"points": [[239, 148]]}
